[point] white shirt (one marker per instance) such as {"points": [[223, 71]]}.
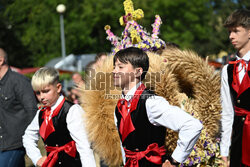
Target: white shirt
{"points": [[76, 127], [227, 106], [161, 113]]}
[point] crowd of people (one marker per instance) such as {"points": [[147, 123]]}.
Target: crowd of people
{"points": [[37, 108]]}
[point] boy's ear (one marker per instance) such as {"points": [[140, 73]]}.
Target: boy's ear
{"points": [[59, 87], [139, 72]]}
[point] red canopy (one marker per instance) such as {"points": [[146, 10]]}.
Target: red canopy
{"points": [[34, 69]]}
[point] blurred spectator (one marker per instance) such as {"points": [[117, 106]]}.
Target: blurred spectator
{"points": [[18, 106], [100, 57], [77, 79], [75, 96]]}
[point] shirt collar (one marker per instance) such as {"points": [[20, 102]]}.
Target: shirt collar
{"points": [[59, 100], [131, 92], [246, 57]]}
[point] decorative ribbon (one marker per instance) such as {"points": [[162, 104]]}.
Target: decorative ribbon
{"points": [[47, 126], [153, 154], [69, 148]]}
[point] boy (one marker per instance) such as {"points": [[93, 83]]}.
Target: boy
{"points": [[235, 92], [59, 124], [142, 117]]}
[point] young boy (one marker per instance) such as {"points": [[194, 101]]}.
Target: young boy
{"points": [[60, 125], [142, 117], [235, 93]]}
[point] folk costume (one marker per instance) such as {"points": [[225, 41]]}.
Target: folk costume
{"points": [[236, 111], [180, 77], [141, 121], [62, 131]]}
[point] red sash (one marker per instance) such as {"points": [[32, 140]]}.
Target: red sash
{"points": [[47, 126], [153, 154], [126, 125], [69, 148], [245, 136]]}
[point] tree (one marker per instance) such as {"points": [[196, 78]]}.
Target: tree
{"points": [[31, 30]]}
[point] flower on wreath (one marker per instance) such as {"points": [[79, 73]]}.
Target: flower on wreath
{"points": [[134, 34]]}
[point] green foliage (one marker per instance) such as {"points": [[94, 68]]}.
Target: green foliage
{"points": [[30, 29]]}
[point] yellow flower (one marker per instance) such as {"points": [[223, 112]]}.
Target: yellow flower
{"points": [[138, 14], [121, 21], [128, 9], [134, 36], [107, 27]]}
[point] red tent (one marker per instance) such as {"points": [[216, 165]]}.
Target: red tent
{"points": [[34, 69]]}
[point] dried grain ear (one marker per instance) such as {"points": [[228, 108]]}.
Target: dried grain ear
{"points": [[181, 77]]}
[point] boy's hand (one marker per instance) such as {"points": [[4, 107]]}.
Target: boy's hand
{"points": [[168, 164], [41, 161], [225, 161]]}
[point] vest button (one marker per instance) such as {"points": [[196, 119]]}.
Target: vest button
{"points": [[238, 101], [243, 119], [56, 145], [59, 163]]}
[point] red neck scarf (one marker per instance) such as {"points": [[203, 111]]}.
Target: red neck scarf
{"points": [[47, 126], [126, 125], [237, 86]]}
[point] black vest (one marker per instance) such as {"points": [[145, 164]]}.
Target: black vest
{"points": [[242, 102], [145, 133], [61, 136]]}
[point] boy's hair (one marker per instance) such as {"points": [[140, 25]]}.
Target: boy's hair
{"points": [[43, 77], [240, 17], [137, 57]]}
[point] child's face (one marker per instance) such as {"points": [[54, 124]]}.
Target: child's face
{"points": [[239, 37], [124, 74], [49, 94]]}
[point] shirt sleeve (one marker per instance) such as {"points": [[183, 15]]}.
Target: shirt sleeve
{"points": [[76, 126], [161, 113], [122, 150], [30, 140], [227, 115]]}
